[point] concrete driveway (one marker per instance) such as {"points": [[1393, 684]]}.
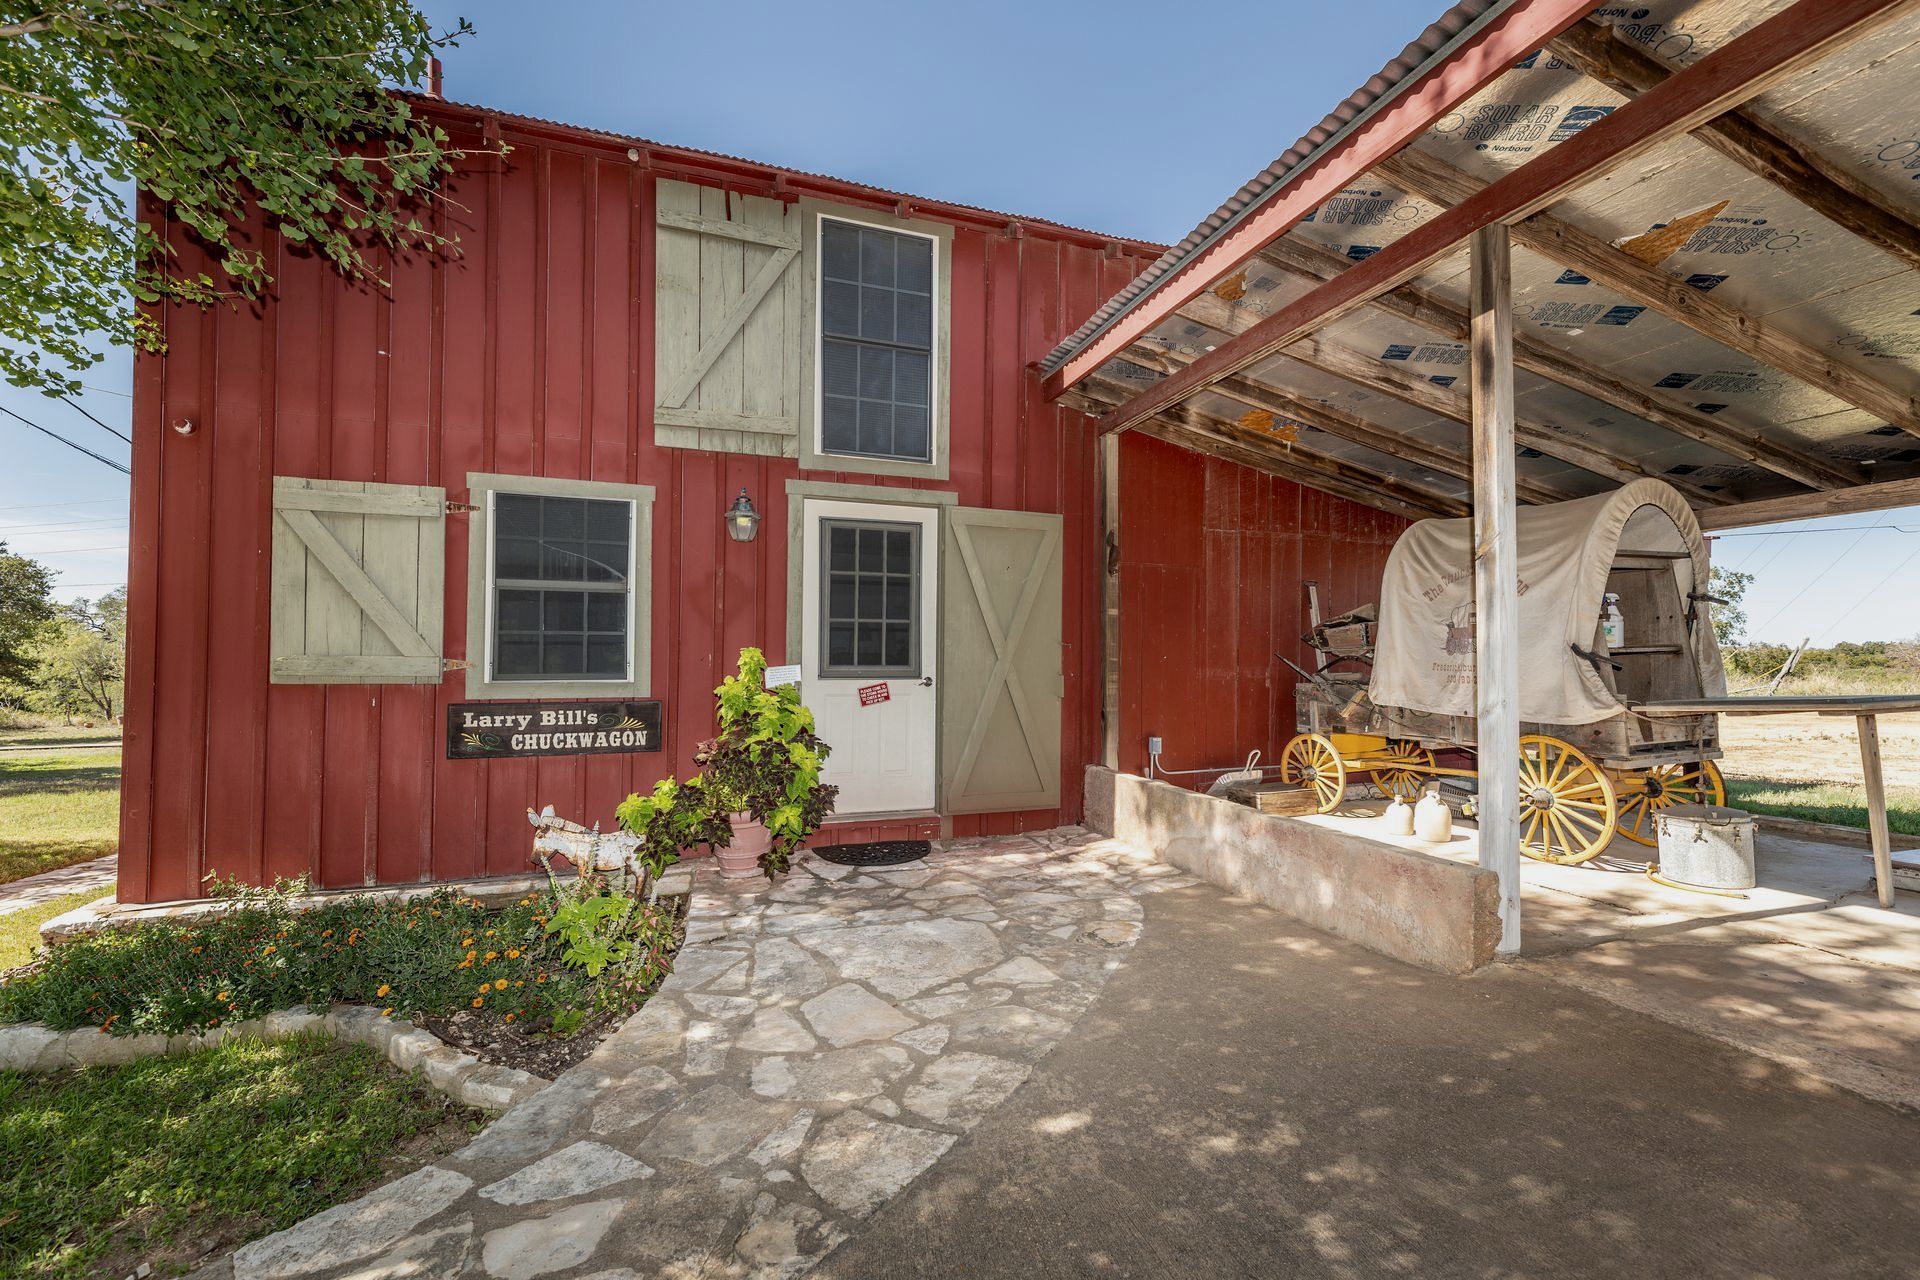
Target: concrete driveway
{"points": [[1250, 1098]]}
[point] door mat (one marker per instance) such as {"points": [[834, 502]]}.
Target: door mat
{"points": [[875, 853]]}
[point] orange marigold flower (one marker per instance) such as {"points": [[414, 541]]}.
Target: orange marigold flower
{"points": [[477, 1002], [384, 988], [268, 950], [326, 933], [520, 982], [499, 984], [541, 978], [387, 1012], [223, 996], [466, 942], [485, 987], [213, 1022], [471, 955], [509, 1017], [493, 955], [513, 953]]}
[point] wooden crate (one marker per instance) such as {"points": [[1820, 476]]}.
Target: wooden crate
{"points": [[1285, 800]]}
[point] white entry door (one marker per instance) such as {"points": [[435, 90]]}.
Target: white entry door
{"points": [[869, 613]]}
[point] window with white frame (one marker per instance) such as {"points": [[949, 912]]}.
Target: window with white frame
{"points": [[877, 326], [560, 588]]}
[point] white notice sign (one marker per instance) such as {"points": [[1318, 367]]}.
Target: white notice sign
{"points": [[777, 676]]}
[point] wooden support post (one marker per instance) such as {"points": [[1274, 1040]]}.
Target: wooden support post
{"points": [[1869, 727], [1496, 601], [1109, 447]]}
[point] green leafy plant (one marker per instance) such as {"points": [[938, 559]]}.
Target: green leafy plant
{"points": [[675, 817], [625, 946], [765, 760]]}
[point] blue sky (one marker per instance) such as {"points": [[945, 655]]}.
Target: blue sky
{"points": [[1123, 117]]}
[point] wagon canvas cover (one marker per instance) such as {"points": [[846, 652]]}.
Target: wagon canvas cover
{"points": [[1424, 655]]}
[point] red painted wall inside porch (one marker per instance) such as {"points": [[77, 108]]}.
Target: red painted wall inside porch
{"points": [[531, 354], [1213, 562]]}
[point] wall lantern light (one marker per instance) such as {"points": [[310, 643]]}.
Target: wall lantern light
{"points": [[742, 520]]}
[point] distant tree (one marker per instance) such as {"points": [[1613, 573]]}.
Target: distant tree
{"points": [[212, 106], [26, 606], [1729, 619], [81, 658]]}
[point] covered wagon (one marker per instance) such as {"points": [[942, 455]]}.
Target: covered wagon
{"points": [[1614, 615]]}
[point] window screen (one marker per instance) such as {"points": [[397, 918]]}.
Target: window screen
{"points": [[561, 587], [870, 612], [876, 342]]}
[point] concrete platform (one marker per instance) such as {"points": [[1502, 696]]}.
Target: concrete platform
{"points": [[1807, 969]]}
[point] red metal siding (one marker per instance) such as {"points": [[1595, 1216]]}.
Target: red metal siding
{"points": [[531, 353], [1214, 559]]}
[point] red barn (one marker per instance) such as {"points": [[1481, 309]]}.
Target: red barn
{"points": [[409, 561]]}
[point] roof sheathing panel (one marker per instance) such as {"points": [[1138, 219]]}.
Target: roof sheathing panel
{"points": [[1763, 251]]}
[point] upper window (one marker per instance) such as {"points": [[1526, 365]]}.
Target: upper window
{"points": [[876, 342], [562, 588]]}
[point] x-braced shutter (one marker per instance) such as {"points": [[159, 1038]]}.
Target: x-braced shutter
{"points": [[729, 321], [357, 582]]}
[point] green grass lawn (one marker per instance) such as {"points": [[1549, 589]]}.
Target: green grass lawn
{"points": [[171, 1160], [20, 930], [57, 808], [55, 735], [1825, 802]]}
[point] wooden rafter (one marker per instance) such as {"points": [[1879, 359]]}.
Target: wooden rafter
{"points": [[1770, 52], [1431, 311], [1446, 402], [1336, 421], [1206, 433], [1804, 174], [1808, 506], [1661, 291]]}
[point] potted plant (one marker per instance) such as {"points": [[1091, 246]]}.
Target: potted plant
{"points": [[675, 817], [762, 771]]}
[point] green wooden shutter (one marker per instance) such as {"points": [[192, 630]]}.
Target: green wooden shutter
{"points": [[730, 321], [357, 582], [1000, 675]]}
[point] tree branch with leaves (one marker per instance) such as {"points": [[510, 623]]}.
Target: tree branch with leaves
{"points": [[217, 109]]}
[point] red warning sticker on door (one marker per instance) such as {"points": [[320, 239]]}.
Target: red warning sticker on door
{"points": [[874, 694]]}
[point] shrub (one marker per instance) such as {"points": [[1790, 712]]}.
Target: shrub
{"points": [[436, 954]]}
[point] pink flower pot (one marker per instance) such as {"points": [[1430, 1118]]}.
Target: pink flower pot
{"points": [[741, 859]]}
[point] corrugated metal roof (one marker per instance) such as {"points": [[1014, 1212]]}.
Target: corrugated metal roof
{"points": [[1414, 61], [928, 203]]}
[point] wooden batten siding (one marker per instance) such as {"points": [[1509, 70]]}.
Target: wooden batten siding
{"points": [[1213, 558], [532, 353]]}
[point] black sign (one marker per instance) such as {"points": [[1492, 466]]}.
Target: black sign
{"points": [[502, 730]]}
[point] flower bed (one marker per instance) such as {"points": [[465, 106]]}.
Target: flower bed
{"points": [[514, 968]]}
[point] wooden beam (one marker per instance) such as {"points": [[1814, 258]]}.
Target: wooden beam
{"points": [[1336, 421], [1216, 437], [1432, 311], [1484, 53], [1777, 48], [1662, 291], [1803, 173], [1410, 388], [1868, 727], [1496, 584], [1811, 506]]}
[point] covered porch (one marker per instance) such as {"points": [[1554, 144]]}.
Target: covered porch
{"points": [[1541, 256]]}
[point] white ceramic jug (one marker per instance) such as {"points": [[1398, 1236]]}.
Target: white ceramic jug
{"points": [[1432, 820], [1398, 819]]}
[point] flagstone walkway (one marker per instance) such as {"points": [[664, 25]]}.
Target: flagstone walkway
{"points": [[32, 891], [821, 1042]]}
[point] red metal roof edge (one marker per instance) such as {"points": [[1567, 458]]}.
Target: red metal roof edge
{"points": [[1413, 62], [696, 156]]}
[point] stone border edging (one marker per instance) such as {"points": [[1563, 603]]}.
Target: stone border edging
{"points": [[36, 1048]]}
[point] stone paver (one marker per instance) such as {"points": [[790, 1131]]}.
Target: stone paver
{"points": [[31, 891], [821, 1043]]}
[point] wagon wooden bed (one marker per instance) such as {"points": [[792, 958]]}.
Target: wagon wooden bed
{"points": [[1595, 761]]}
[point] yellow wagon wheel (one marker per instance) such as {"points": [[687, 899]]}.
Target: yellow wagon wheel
{"points": [[1642, 795], [1402, 770], [1567, 805], [1310, 760]]}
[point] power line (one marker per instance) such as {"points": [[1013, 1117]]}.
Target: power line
{"points": [[97, 457], [1819, 577], [108, 391], [75, 405], [85, 502], [1794, 533], [74, 551], [1868, 595]]}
